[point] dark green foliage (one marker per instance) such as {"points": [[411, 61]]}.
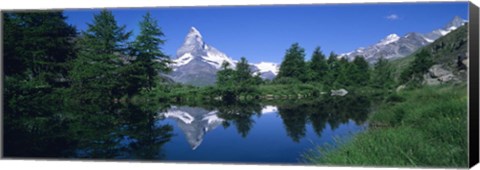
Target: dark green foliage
{"points": [[360, 73], [318, 66], [286, 80], [99, 70], [240, 114], [334, 70], [38, 45], [37, 49], [419, 66], [293, 64], [243, 74], [150, 60], [104, 36], [382, 75], [233, 83], [226, 76], [345, 71]]}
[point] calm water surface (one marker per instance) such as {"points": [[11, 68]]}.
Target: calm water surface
{"points": [[253, 132], [202, 137]]}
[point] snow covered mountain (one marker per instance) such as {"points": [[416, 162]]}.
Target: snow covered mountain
{"points": [[267, 70], [197, 63], [394, 46]]}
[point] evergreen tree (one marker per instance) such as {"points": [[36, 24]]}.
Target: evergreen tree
{"points": [[226, 75], [333, 69], [382, 75], [293, 64], [360, 75], [150, 60], [419, 66], [97, 72], [38, 45], [318, 65], [243, 73], [345, 72]]}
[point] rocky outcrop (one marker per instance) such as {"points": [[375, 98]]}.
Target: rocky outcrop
{"points": [[400, 88], [340, 92], [438, 75], [462, 61]]}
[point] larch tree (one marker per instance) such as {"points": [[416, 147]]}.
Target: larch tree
{"points": [[293, 64], [318, 65], [150, 60], [97, 71]]}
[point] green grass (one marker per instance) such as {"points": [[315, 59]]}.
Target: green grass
{"points": [[426, 129]]}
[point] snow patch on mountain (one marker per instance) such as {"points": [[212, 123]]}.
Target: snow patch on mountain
{"points": [[389, 39], [267, 67], [216, 58], [394, 46]]}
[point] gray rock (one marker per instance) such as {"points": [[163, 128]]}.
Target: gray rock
{"points": [[438, 75], [400, 88], [340, 92], [436, 71]]}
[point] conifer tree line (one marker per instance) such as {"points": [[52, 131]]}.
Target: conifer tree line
{"points": [[333, 70], [43, 52]]}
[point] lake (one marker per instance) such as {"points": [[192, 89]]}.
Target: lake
{"points": [[270, 132]]}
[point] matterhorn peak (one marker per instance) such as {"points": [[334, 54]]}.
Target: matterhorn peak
{"points": [[193, 43], [194, 32]]}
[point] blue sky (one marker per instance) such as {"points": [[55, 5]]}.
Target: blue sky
{"points": [[263, 33]]}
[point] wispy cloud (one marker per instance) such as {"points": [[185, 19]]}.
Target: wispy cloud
{"points": [[392, 17]]}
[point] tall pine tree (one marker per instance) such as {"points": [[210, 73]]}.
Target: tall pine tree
{"points": [[242, 71], [38, 45], [150, 60], [318, 65], [333, 69], [97, 70], [382, 75], [345, 70], [293, 64], [360, 75]]}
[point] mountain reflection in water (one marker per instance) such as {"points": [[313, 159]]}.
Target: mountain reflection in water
{"points": [[242, 132], [252, 132]]}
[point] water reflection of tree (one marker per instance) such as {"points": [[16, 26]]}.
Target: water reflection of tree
{"points": [[240, 114], [84, 131], [295, 118], [122, 131], [34, 131], [332, 110], [146, 137]]}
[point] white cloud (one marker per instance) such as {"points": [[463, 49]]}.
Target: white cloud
{"points": [[392, 17]]}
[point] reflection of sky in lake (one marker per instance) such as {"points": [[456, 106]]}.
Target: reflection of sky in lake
{"points": [[266, 142]]}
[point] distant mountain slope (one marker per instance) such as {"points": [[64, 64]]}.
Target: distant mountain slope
{"points": [[197, 63], [394, 46], [449, 51]]}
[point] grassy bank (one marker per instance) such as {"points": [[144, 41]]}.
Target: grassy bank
{"points": [[422, 127]]}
